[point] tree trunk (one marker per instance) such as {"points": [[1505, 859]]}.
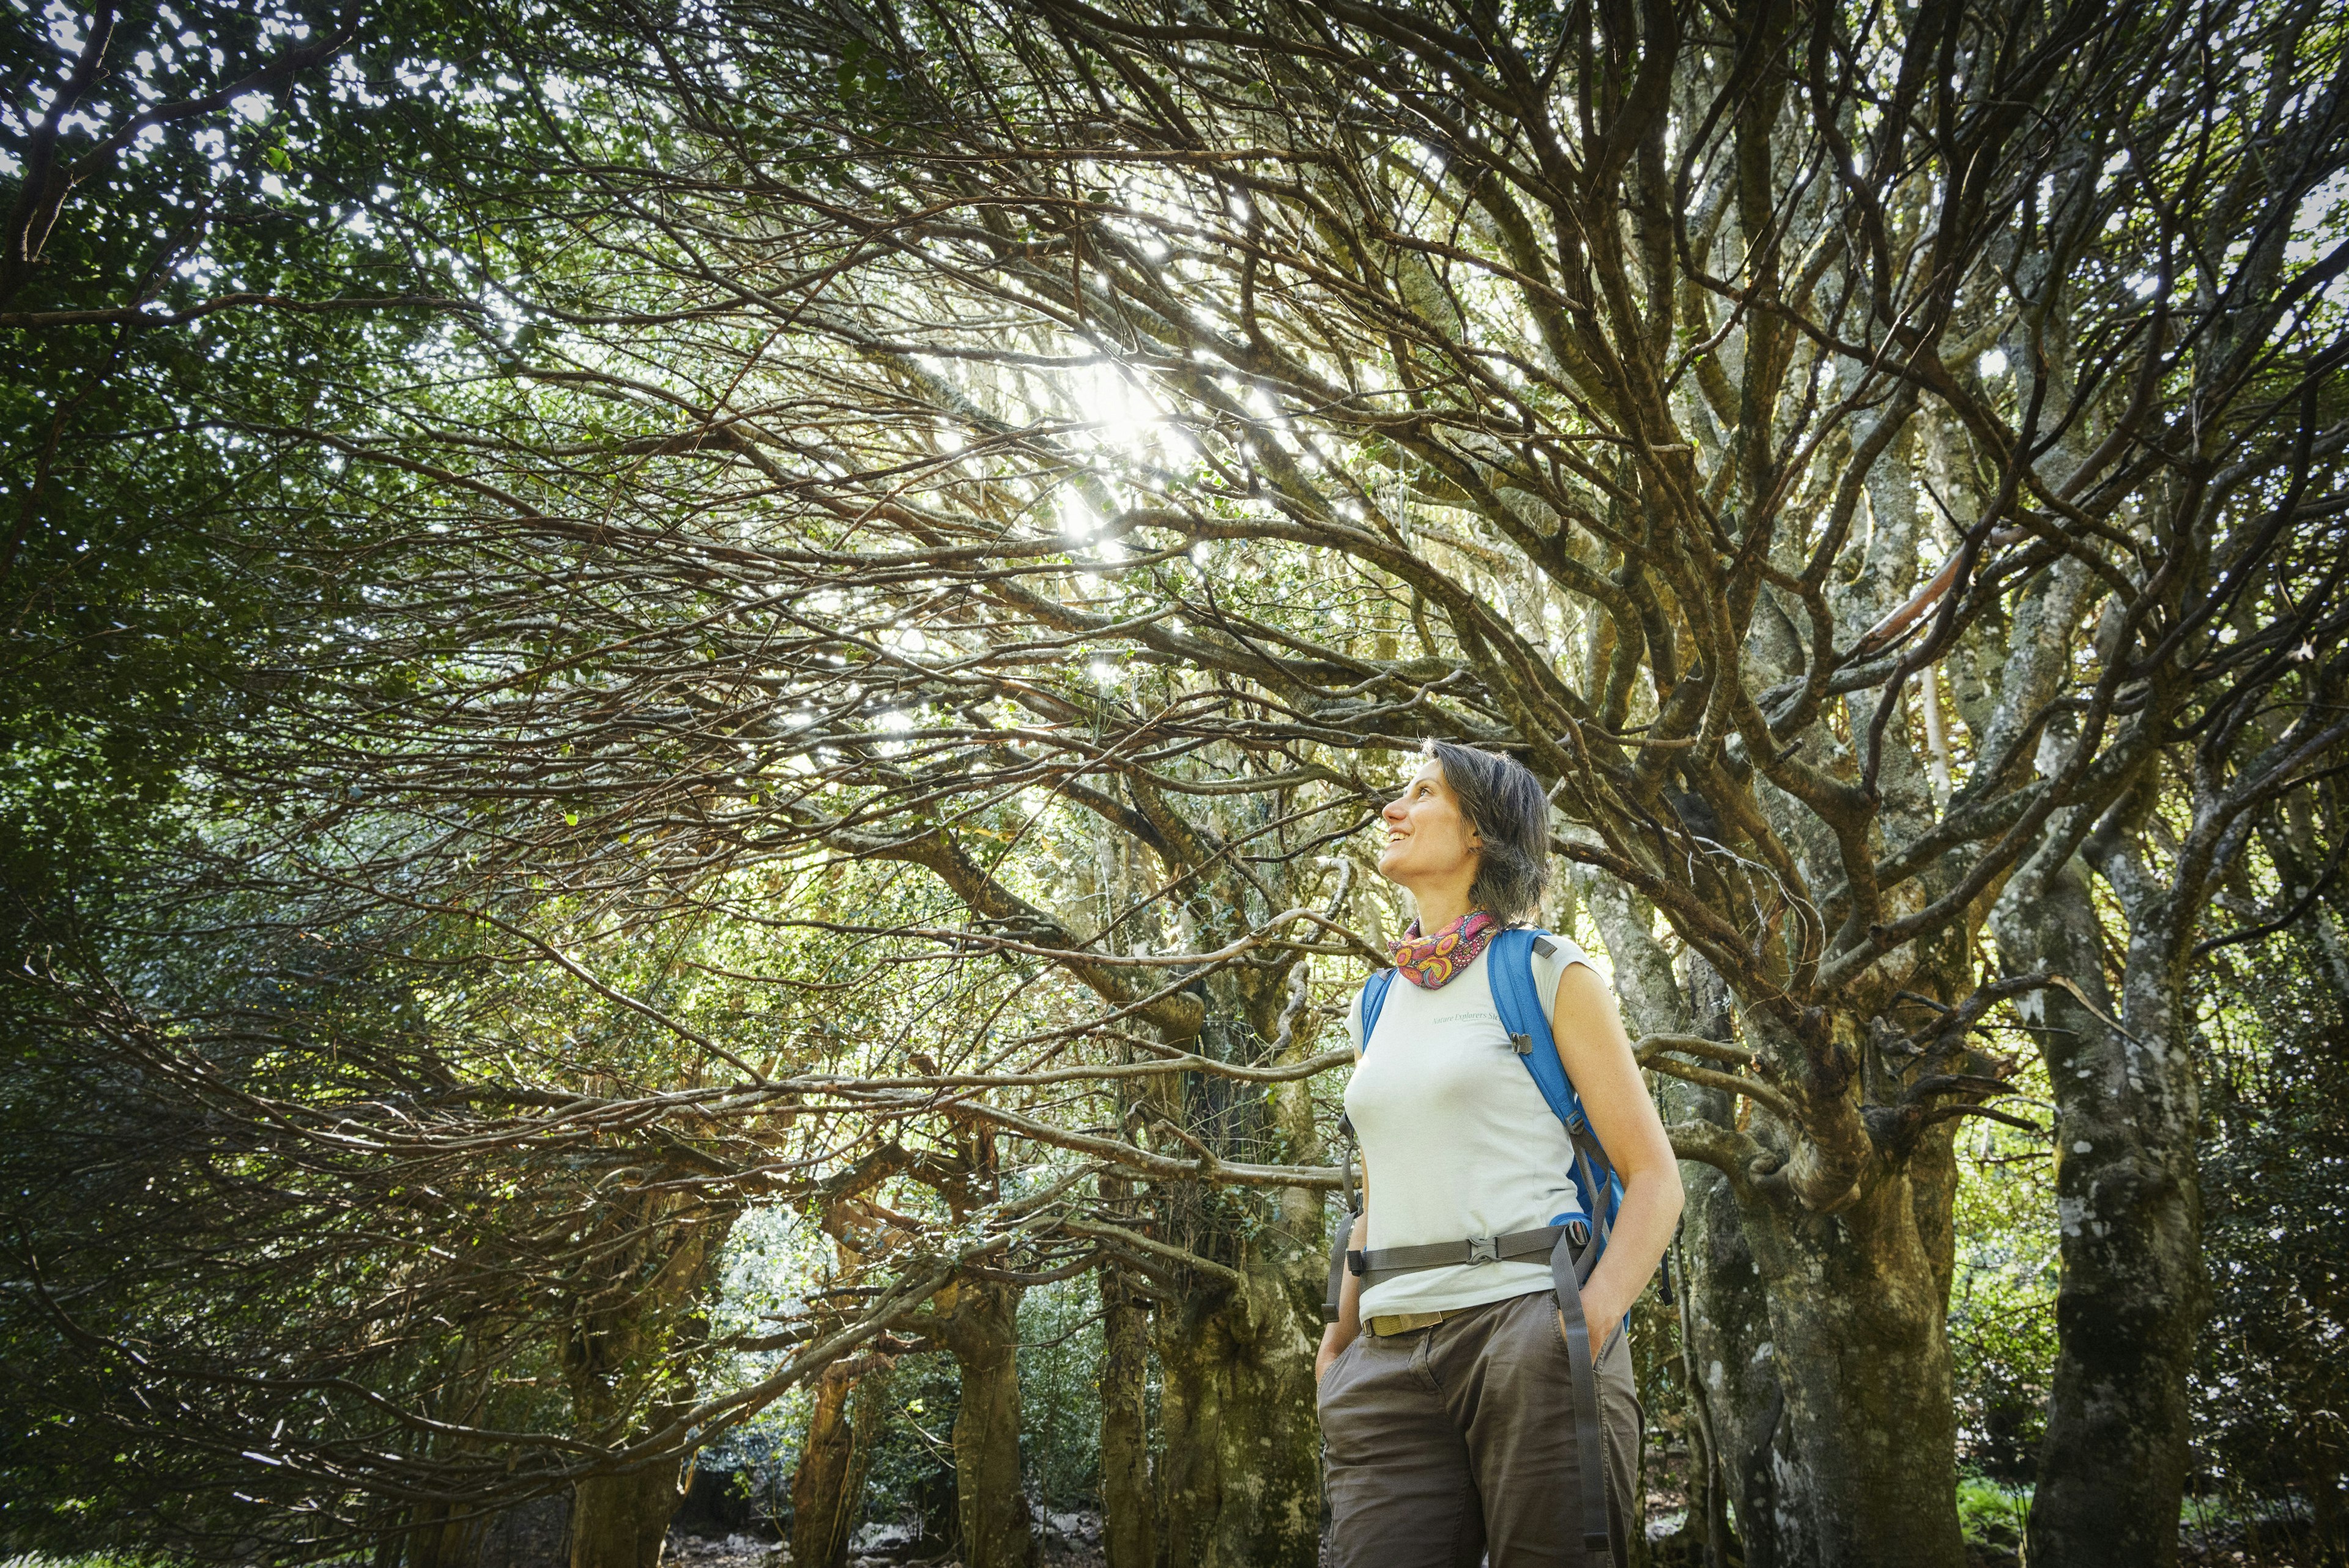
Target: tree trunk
{"points": [[1239, 1477], [1733, 1382], [1733, 1356], [1240, 1483], [2113, 1464], [828, 1488], [621, 1521], [1734, 1375], [1820, 1340], [1129, 1532], [437, 1540], [1857, 1304], [982, 1331], [640, 1313]]}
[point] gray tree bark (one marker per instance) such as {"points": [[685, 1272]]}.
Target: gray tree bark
{"points": [[2113, 1465], [1751, 1473]]}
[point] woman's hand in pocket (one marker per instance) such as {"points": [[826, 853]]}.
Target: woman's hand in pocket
{"points": [[1333, 1345]]}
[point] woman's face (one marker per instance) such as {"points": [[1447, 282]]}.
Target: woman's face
{"points": [[1428, 838]]}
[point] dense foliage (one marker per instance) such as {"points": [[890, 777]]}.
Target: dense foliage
{"points": [[2269, 1386]]}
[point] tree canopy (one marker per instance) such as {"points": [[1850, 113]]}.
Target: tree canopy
{"points": [[624, 616]]}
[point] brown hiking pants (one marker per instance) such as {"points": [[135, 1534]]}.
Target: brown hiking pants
{"points": [[1447, 1442]]}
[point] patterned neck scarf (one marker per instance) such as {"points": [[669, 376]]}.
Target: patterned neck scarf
{"points": [[1428, 962]]}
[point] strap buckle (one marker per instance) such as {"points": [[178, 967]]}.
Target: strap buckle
{"points": [[1483, 1250], [1357, 1265], [1523, 1045]]}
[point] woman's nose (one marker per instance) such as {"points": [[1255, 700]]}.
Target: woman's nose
{"points": [[1392, 811]]}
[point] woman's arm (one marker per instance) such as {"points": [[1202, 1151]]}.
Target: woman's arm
{"points": [[1343, 1333], [1597, 1054]]}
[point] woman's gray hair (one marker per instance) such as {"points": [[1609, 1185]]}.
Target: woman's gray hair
{"points": [[1508, 807]]}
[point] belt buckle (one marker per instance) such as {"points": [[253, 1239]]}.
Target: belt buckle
{"points": [[1483, 1250]]}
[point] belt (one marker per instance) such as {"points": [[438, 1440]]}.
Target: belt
{"points": [[1386, 1324]]}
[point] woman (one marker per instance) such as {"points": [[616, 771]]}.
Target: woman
{"points": [[1446, 1390]]}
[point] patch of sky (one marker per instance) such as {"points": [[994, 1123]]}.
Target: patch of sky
{"points": [[2321, 224], [1115, 407]]}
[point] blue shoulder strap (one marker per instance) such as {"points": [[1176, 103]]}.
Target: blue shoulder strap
{"points": [[1509, 965], [1374, 997]]}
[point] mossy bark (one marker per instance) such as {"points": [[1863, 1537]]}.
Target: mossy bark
{"points": [[982, 1330], [626, 1354], [828, 1487], [1818, 1315], [438, 1540], [1240, 1479], [621, 1520], [1858, 1342], [1129, 1514]]}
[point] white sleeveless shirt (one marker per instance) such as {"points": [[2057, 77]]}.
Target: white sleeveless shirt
{"points": [[1456, 1137]]}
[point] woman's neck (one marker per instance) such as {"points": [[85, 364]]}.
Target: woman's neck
{"points": [[1440, 906]]}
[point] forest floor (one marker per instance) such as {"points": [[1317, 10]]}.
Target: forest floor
{"points": [[1068, 1541], [1073, 1540]]}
